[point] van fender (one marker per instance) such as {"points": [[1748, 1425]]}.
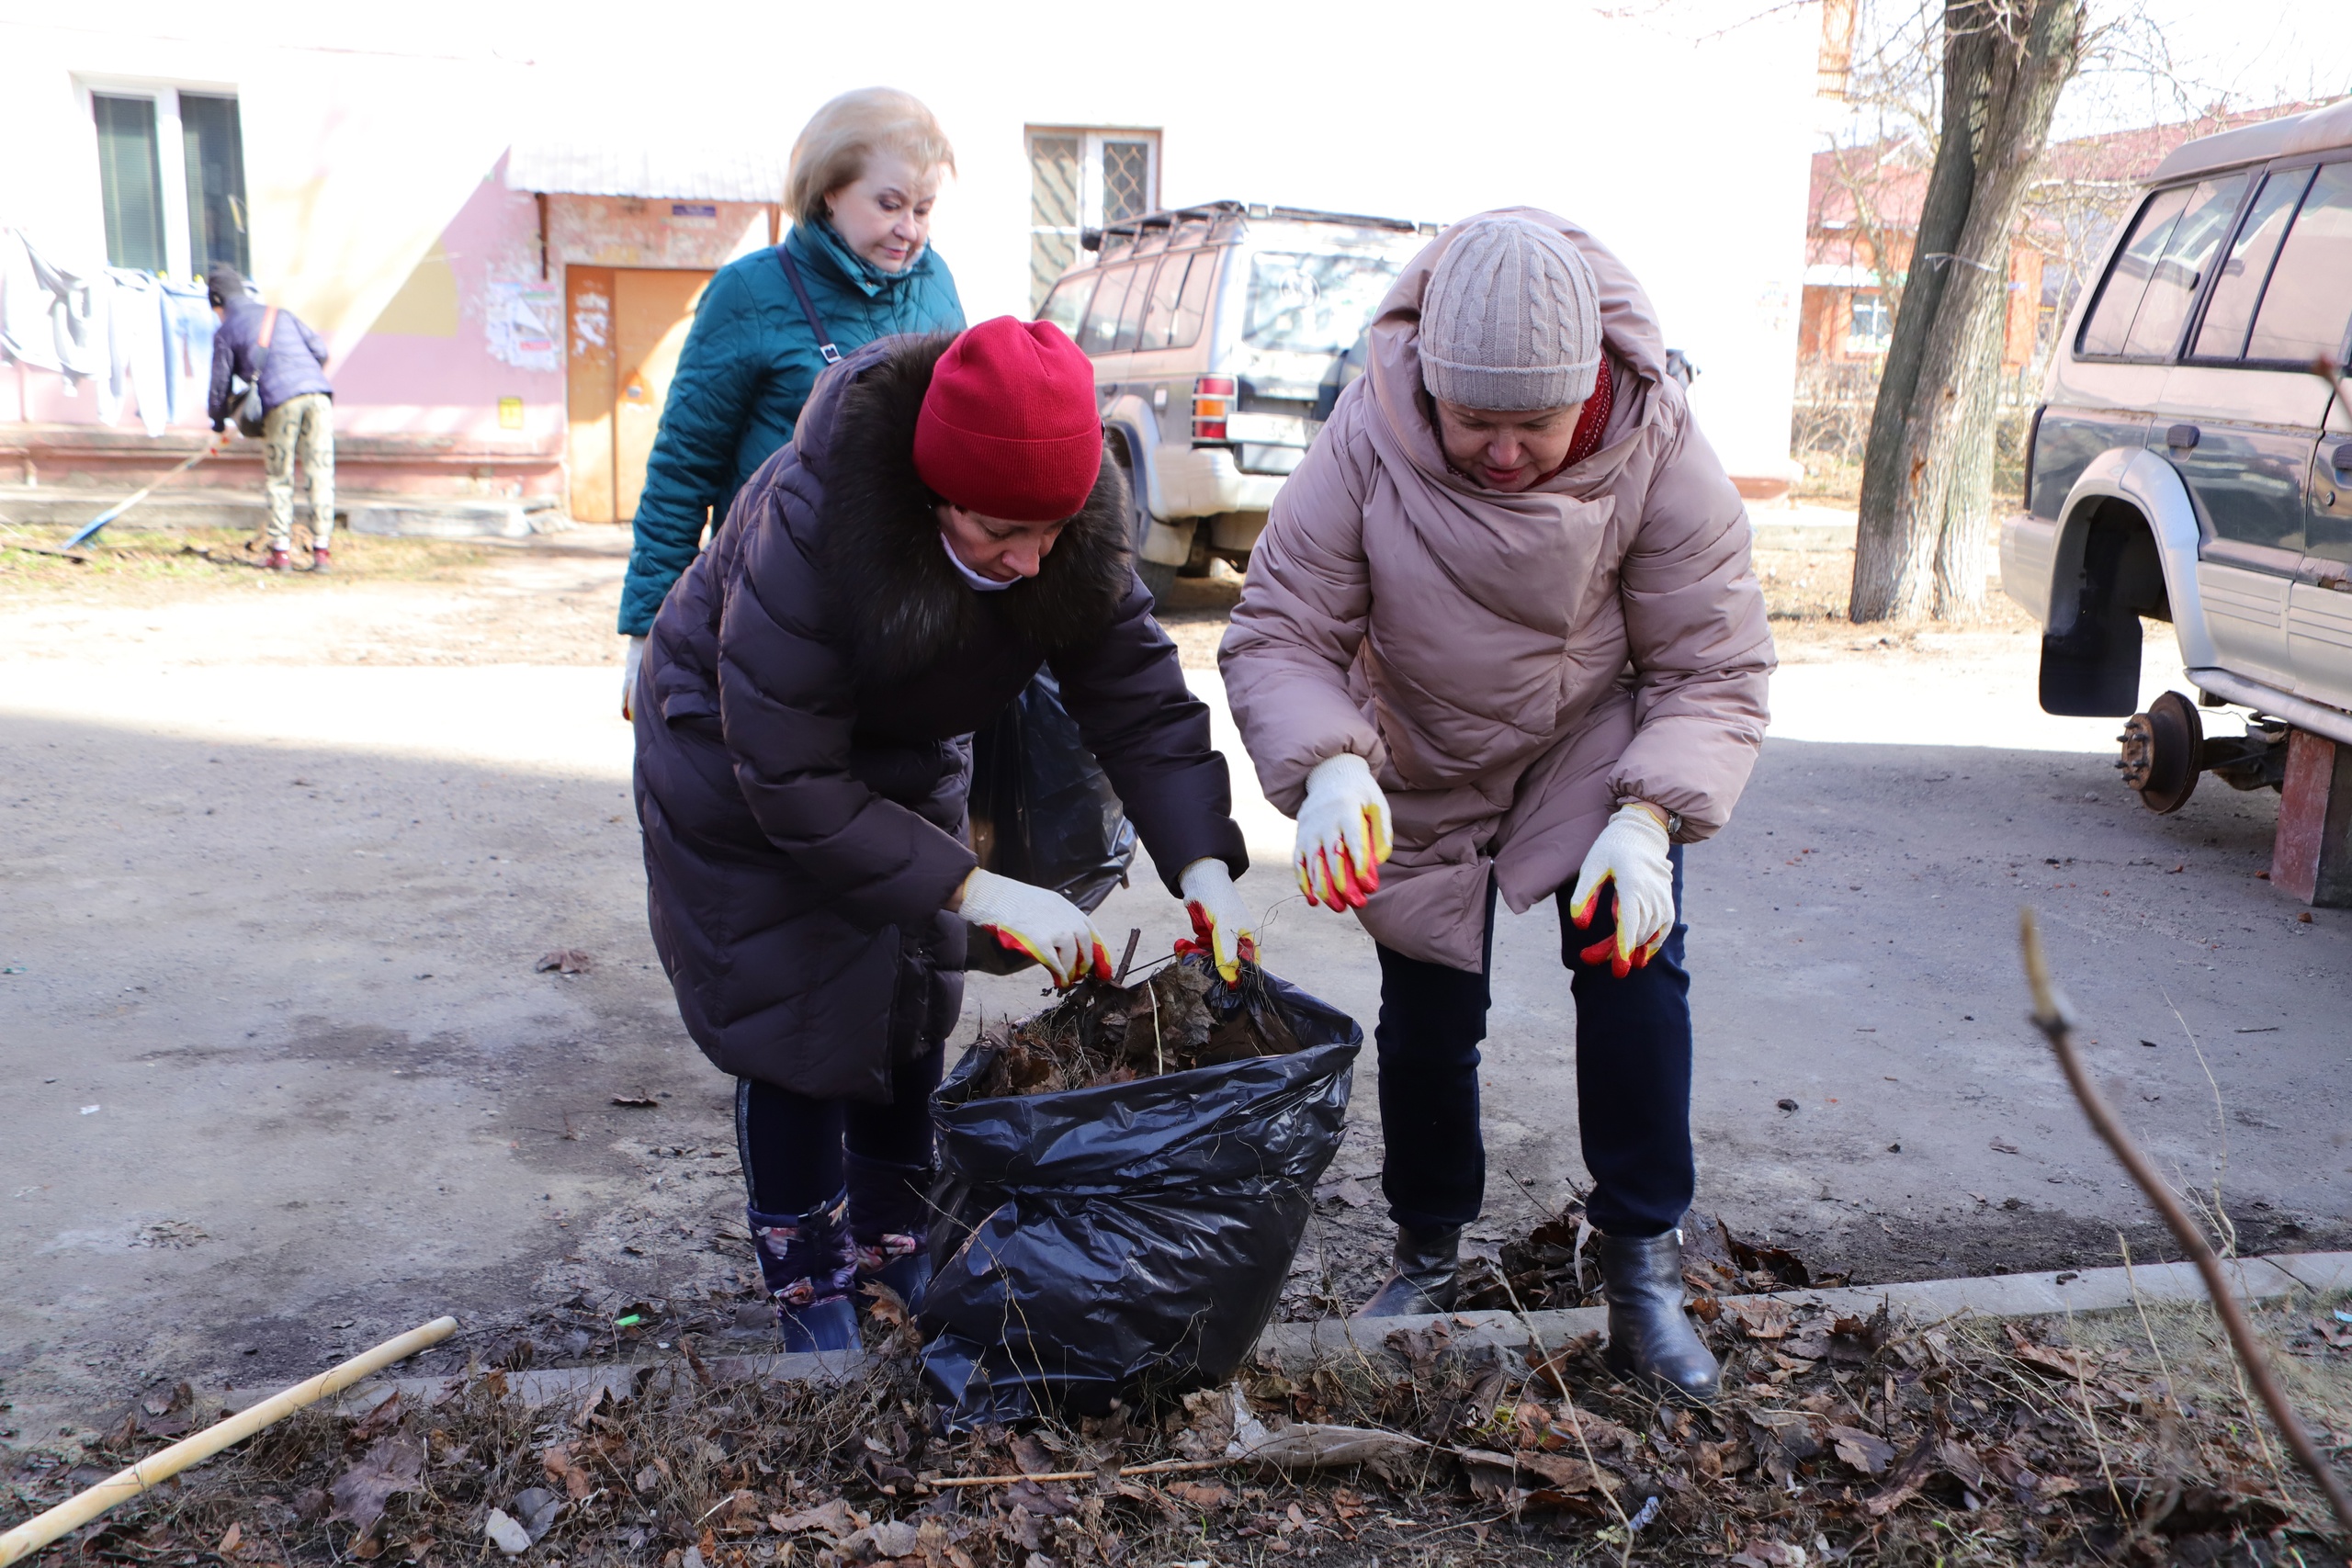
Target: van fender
{"points": [[1136, 423], [1132, 419], [2153, 488]]}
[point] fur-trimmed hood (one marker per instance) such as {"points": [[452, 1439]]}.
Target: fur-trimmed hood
{"points": [[905, 605]]}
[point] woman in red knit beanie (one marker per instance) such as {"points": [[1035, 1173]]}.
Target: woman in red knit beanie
{"points": [[940, 527]]}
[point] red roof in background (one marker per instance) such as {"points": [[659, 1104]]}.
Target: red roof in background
{"points": [[1894, 173]]}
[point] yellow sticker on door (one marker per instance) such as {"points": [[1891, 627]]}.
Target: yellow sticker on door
{"points": [[510, 413]]}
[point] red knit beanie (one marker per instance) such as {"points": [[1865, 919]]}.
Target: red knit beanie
{"points": [[1009, 427]]}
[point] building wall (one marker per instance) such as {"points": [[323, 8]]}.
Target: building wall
{"points": [[1616, 121], [1682, 136]]}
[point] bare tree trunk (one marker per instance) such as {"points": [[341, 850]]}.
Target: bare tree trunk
{"points": [[1968, 511], [1883, 567], [1926, 482]]}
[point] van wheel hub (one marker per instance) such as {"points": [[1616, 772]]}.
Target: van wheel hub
{"points": [[2161, 752]]}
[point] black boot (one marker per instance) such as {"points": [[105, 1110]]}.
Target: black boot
{"points": [[1649, 1336], [889, 1220], [1429, 1270]]}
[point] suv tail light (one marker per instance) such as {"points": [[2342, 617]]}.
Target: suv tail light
{"points": [[1212, 402]]}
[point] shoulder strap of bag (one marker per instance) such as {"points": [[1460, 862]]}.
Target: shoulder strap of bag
{"points": [[268, 325], [825, 348]]}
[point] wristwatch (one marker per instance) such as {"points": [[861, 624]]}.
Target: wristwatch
{"points": [[1673, 818]]}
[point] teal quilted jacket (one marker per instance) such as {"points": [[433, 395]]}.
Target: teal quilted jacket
{"points": [[742, 377]]}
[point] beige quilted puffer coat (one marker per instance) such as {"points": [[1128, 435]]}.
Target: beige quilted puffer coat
{"points": [[1510, 666]]}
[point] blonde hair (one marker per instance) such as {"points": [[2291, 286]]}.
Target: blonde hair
{"points": [[835, 145]]}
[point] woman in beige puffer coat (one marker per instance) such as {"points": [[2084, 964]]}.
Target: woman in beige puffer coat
{"points": [[1503, 620]]}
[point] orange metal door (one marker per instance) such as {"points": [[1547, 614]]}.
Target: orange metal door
{"points": [[589, 390], [651, 311]]}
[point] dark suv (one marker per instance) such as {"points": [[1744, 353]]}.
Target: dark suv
{"points": [[2192, 461]]}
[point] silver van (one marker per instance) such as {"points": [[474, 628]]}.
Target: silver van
{"points": [[1221, 335], [2192, 461]]}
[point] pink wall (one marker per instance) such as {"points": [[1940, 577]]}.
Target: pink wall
{"points": [[402, 383]]}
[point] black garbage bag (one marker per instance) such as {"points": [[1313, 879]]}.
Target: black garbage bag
{"points": [[1043, 812], [1104, 1243]]}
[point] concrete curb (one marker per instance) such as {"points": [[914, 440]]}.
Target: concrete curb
{"points": [[1999, 1295], [1342, 1338]]}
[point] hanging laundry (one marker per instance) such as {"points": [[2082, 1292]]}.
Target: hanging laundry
{"points": [[28, 332], [135, 345], [188, 325], [77, 316]]}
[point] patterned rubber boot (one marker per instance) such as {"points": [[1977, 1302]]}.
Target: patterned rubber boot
{"points": [[279, 560], [889, 1221], [806, 1263]]}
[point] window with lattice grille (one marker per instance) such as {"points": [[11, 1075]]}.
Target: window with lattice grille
{"points": [[1080, 179]]}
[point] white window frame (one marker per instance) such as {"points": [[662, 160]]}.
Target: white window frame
{"points": [[1091, 138], [1855, 342], [171, 154]]}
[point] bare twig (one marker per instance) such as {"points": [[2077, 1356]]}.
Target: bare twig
{"points": [[2051, 1016], [1135, 935], [2090, 1417], [1163, 1467], [1554, 1370]]}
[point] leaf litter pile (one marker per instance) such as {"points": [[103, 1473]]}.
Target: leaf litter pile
{"points": [[1836, 1439], [1105, 1033]]}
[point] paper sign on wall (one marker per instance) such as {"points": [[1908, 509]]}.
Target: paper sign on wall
{"points": [[520, 325]]}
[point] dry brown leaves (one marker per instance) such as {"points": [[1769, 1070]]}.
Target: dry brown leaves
{"points": [[1102, 1033]]}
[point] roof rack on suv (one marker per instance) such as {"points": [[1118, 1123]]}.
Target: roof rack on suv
{"points": [[1091, 238]]}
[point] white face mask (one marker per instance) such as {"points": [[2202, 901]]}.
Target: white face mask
{"points": [[979, 584]]}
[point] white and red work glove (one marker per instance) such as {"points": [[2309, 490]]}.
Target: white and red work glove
{"points": [[1223, 926], [1342, 833], [629, 661], [1630, 853], [1039, 922]]}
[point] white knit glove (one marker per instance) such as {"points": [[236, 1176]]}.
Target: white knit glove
{"points": [[1223, 926], [1630, 852], [1039, 922], [1342, 833], [629, 661]]}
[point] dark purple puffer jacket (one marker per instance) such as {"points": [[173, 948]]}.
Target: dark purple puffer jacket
{"points": [[803, 755], [295, 361]]}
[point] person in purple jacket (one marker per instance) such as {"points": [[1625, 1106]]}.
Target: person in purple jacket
{"points": [[275, 350]]}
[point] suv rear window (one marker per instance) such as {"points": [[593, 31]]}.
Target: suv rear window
{"points": [[2172, 287], [2309, 303], [2109, 323], [1066, 304], [1305, 302], [2231, 311]]}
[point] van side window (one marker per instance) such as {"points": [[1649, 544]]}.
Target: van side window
{"points": [[1131, 315], [2109, 322], [1102, 328], [1193, 307], [2231, 311], [1066, 306], [1166, 291], [2172, 287], [2309, 301]]}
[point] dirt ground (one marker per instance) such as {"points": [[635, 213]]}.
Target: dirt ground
{"points": [[281, 856]]}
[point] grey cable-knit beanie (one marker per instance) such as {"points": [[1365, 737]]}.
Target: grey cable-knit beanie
{"points": [[1511, 319]]}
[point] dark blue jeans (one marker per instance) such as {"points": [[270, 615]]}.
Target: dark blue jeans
{"points": [[1632, 1081]]}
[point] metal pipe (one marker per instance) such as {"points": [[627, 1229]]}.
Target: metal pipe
{"points": [[2300, 712]]}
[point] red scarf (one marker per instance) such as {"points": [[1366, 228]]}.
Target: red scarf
{"points": [[1589, 423]]}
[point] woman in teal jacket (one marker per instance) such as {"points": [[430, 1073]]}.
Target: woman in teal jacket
{"points": [[865, 175]]}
